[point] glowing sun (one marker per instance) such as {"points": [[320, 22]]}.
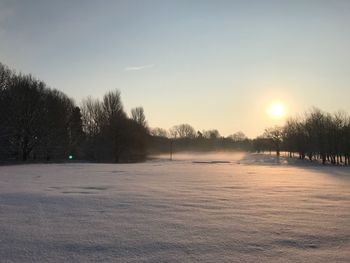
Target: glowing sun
{"points": [[276, 110]]}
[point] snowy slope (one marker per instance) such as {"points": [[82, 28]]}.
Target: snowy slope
{"points": [[197, 208]]}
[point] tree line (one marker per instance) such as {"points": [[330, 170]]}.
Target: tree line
{"points": [[316, 135], [184, 137], [40, 123]]}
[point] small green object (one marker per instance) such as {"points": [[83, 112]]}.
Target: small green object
{"points": [[70, 157]]}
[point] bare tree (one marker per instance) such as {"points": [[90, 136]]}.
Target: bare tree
{"points": [[319, 136], [159, 132], [211, 134], [275, 135], [183, 131], [91, 110], [138, 115], [112, 107], [238, 136]]}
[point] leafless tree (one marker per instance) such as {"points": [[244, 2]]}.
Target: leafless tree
{"points": [[275, 135], [159, 132], [317, 135], [138, 115], [238, 136], [211, 134], [92, 116], [112, 106], [183, 131]]}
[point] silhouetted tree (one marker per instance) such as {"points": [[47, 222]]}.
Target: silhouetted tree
{"points": [[76, 134], [55, 137], [211, 134], [317, 135], [262, 144], [159, 132], [91, 110], [114, 120], [138, 115], [5, 112], [26, 120], [183, 131], [111, 135], [34, 123], [275, 136], [238, 136]]}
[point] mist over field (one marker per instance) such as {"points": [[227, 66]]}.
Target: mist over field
{"points": [[219, 207]]}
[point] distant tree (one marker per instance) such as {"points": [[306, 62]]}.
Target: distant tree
{"points": [[262, 144], [159, 132], [316, 126], [294, 137], [135, 141], [138, 115], [173, 132], [183, 131], [114, 120], [338, 140], [275, 135], [211, 134], [238, 136], [346, 145], [200, 135], [92, 116], [76, 133], [112, 107]]}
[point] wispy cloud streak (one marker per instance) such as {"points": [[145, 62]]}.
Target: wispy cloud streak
{"points": [[134, 68]]}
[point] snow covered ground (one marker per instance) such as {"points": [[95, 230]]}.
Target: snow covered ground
{"points": [[197, 208]]}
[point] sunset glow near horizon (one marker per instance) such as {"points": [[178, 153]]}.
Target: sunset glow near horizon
{"points": [[214, 65]]}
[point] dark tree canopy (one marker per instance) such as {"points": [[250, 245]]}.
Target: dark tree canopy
{"points": [[138, 115], [40, 123], [35, 120]]}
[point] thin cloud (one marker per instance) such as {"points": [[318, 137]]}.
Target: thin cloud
{"points": [[133, 68]]}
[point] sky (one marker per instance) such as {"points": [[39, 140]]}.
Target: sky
{"points": [[212, 64]]}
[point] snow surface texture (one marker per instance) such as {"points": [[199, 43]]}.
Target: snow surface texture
{"points": [[197, 208]]}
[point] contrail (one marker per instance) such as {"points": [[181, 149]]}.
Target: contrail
{"points": [[131, 68]]}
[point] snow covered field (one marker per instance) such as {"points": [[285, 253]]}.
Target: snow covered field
{"points": [[197, 208]]}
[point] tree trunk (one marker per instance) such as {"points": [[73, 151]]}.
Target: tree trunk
{"points": [[24, 155]]}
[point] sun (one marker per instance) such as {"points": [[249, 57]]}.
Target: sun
{"points": [[276, 110]]}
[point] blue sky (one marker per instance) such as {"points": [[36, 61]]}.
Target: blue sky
{"points": [[213, 64]]}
